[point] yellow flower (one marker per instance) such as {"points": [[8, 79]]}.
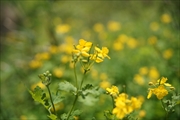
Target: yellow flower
{"points": [[154, 26], [166, 18], [82, 48], [152, 40], [35, 64], [132, 43], [98, 27], [163, 82], [153, 73], [58, 72], [114, 26], [160, 92], [150, 93], [113, 91], [63, 28], [139, 79], [124, 106], [104, 84], [167, 54], [143, 70], [100, 54]]}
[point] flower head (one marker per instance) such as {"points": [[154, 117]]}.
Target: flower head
{"points": [[113, 91]]}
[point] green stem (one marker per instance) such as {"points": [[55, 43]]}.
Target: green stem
{"points": [[76, 97], [164, 109], [85, 71], [75, 75], [51, 99]]}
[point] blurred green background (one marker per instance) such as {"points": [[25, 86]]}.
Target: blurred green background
{"points": [[142, 36]]}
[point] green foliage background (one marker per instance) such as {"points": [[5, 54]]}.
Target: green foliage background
{"points": [[30, 27]]}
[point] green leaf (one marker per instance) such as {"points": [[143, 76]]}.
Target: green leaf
{"points": [[64, 116], [66, 86], [58, 99], [76, 113], [52, 117], [39, 96]]}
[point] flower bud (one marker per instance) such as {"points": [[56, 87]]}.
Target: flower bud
{"points": [[150, 83]]}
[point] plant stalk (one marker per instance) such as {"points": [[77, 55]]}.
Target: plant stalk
{"points": [[51, 99]]}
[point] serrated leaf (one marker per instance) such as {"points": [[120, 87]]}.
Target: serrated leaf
{"points": [[58, 99], [64, 116], [52, 117], [76, 113], [66, 86], [38, 96]]}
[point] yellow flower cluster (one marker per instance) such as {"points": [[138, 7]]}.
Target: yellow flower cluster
{"points": [[160, 89], [123, 105], [82, 50]]}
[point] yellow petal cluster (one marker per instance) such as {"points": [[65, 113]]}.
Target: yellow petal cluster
{"points": [[160, 90], [113, 91], [125, 106]]}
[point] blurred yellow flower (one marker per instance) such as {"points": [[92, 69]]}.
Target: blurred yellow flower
{"points": [[142, 113], [105, 84], [154, 26], [63, 28], [125, 106], [58, 72], [167, 54], [118, 46], [122, 38], [139, 79], [160, 92], [132, 43], [166, 18], [143, 71], [98, 27], [152, 40], [114, 26], [153, 73], [86, 34], [103, 76], [65, 59], [35, 64], [114, 91], [23, 117], [53, 49], [42, 56], [40, 84]]}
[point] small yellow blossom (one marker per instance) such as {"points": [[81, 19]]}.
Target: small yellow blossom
{"points": [[35, 64], [160, 92], [63, 28], [105, 84], [40, 84], [153, 73], [113, 91], [53, 49], [114, 26], [42, 56], [166, 18], [152, 40], [118, 46], [125, 106], [58, 72], [98, 27], [82, 48], [143, 70], [23, 117], [167, 54], [142, 113], [163, 82], [132, 43], [154, 26], [139, 79]]}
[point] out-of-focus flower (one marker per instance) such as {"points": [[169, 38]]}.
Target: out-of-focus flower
{"points": [[40, 84], [152, 40], [58, 72], [105, 84], [118, 46], [53, 49], [142, 113], [23, 117], [82, 48], [65, 59], [154, 26], [98, 27], [167, 54], [139, 79], [114, 91], [63, 28], [153, 73], [35, 64], [114, 26], [143, 71], [42, 56], [125, 106], [132, 43], [166, 18], [103, 76], [160, 88]]}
